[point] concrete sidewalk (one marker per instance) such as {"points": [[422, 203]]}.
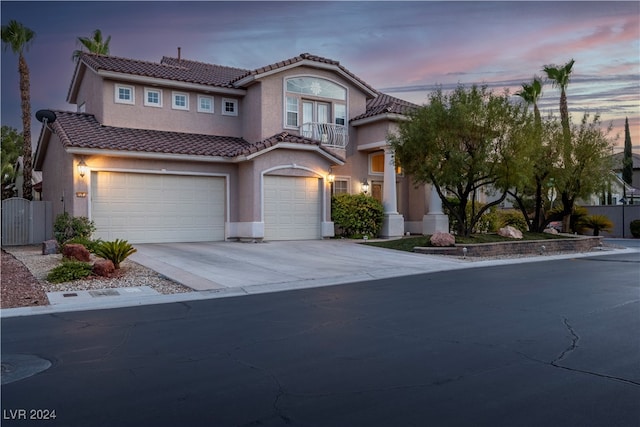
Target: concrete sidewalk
{"points": [[226, 269]]}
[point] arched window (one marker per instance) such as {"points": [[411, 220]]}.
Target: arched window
{"points": [[316, 87]]}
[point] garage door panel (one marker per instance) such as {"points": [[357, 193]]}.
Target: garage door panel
{"points": [[292, 208], [147, 208]]}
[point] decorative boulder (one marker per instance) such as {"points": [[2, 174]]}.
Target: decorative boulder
{"points": [[442, 239], [49, 247], [511, 232], [77, 252], [103, 267], [550, 231]]}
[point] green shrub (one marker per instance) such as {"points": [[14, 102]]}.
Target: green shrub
{"points": [[635, 228], [116, 251], [597, 223], [84, 241], [357, 215], [67, 227], [513, 218], [68, 271]]}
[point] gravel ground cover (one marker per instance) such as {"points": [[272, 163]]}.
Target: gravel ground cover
{"points": [[24, 271]]}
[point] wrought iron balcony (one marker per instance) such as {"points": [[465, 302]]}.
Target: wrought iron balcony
{"points": [[328, 134]]}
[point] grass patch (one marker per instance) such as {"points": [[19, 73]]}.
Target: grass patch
{"points": [[408, 243]]}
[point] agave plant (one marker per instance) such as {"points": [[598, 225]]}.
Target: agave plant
{"points": [[116, 251]]}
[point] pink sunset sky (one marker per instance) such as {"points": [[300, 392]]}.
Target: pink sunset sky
{"points": [[404, 49]]}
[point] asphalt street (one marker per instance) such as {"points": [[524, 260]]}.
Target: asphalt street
{"points": [[551, 343]]}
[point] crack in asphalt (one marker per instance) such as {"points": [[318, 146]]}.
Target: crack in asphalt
{"points": [[280, 391], [574, 343], [575, 338]]}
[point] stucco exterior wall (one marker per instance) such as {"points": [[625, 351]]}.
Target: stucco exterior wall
{"points": [[90, 94], [166, 118], [57, 179], [273, 98], [252, 113]]}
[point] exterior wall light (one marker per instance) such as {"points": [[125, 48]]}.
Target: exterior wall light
{"points": [[365, 186], [82, 168], [331, 177]]}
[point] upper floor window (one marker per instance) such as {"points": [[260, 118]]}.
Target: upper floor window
{"points": [[311, 102], [180, 101], [152, 97], [229, 107], [124, 94], [205, 104]]}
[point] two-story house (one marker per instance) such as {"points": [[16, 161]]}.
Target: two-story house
{"points": [[187, 151]]}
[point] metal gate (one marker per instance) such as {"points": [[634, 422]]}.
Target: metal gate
{"points": [[26, 222]]}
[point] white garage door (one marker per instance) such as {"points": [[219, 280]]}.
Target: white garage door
{"points": [[147, 208], [291, 208]]}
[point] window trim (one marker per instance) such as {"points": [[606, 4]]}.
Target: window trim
{"points": [[399, 171], [224, 107], [346, 179], [370, 162], [179, 107], [119, 100], [300, 96], [199, 107], [146, 102]]}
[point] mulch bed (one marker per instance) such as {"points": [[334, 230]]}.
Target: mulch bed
{"points": [[19, 287]]}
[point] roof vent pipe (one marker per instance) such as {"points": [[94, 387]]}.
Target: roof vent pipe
{"points": [[179, 48]]}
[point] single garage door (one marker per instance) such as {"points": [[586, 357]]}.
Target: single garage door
{"points": [[148, 208], [291, 208]]}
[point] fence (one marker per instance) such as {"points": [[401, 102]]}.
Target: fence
{"points": [[26, 222], [620, 215]]}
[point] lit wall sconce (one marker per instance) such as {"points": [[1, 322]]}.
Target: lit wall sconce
{"points": [[365, 186], [331, 177], [82, 168], [81, 194]]}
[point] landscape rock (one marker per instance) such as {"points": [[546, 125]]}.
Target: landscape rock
{"points": [[442, 239], [77, 252], [49, 247], [103, 267], [551, 231], [511, 232]]}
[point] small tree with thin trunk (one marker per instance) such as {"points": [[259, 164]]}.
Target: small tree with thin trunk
{"points": [[463, 144]]}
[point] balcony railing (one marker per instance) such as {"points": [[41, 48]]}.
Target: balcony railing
{"points": [[328, 134]]}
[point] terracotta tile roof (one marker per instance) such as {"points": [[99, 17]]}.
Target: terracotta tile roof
{"points": [[386, 104], [284, 137], [169, 68], [80, 130], [299, 58]]}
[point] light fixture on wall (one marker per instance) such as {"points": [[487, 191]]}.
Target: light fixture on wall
{"points": [[331, 177], [82, 168], [365, 186]]}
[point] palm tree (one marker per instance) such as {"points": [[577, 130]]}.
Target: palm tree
{"points": [[560, 76], [94, 44], [19, 38], [530, 93]]}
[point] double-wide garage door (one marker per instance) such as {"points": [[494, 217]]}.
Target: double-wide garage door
{"points": [[292, 208], [148, 208]]}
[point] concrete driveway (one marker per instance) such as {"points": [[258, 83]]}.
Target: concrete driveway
{"points": [[274, 266]]}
